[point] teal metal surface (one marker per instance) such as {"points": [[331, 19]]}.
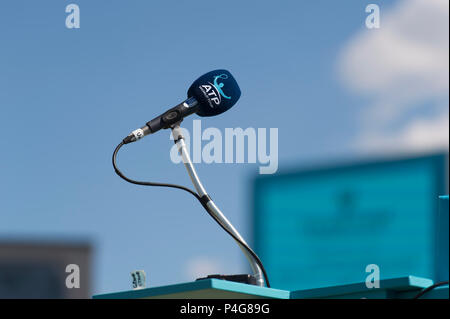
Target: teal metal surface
{"points": [[396, 288], [389, 288], [207, 288]]}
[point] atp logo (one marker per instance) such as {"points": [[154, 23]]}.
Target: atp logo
{"points": [[214, 91]]}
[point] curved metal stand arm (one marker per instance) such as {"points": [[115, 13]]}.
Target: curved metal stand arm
{"points": [[218, 215]]}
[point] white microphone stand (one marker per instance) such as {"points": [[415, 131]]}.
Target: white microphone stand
{"points": [[217, 214]]}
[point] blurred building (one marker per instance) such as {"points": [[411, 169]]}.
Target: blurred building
{"points": [[323, 226], [37, 269]]}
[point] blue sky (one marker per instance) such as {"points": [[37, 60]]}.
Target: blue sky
{"points": [[68, 97]]}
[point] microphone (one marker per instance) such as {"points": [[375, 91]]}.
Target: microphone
{"points": [[211, 94]]}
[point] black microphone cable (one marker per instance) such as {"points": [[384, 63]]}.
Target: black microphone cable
{"points": [[428, 289], [132, 181]]}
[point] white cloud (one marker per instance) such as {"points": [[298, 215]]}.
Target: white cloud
{"points": [[201, 266], [418, 135], [403, 68]]}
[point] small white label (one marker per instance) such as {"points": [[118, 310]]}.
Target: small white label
{"points": [[138, 277], [138, 134]]}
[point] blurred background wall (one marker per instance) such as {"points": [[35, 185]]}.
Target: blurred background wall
{"points": [[324, 226], [36, 268]]}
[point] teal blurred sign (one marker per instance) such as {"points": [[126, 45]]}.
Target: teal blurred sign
{"points": [[323, 227]]}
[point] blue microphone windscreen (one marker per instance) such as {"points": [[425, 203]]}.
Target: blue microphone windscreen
{"points": [[216, 92]]}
